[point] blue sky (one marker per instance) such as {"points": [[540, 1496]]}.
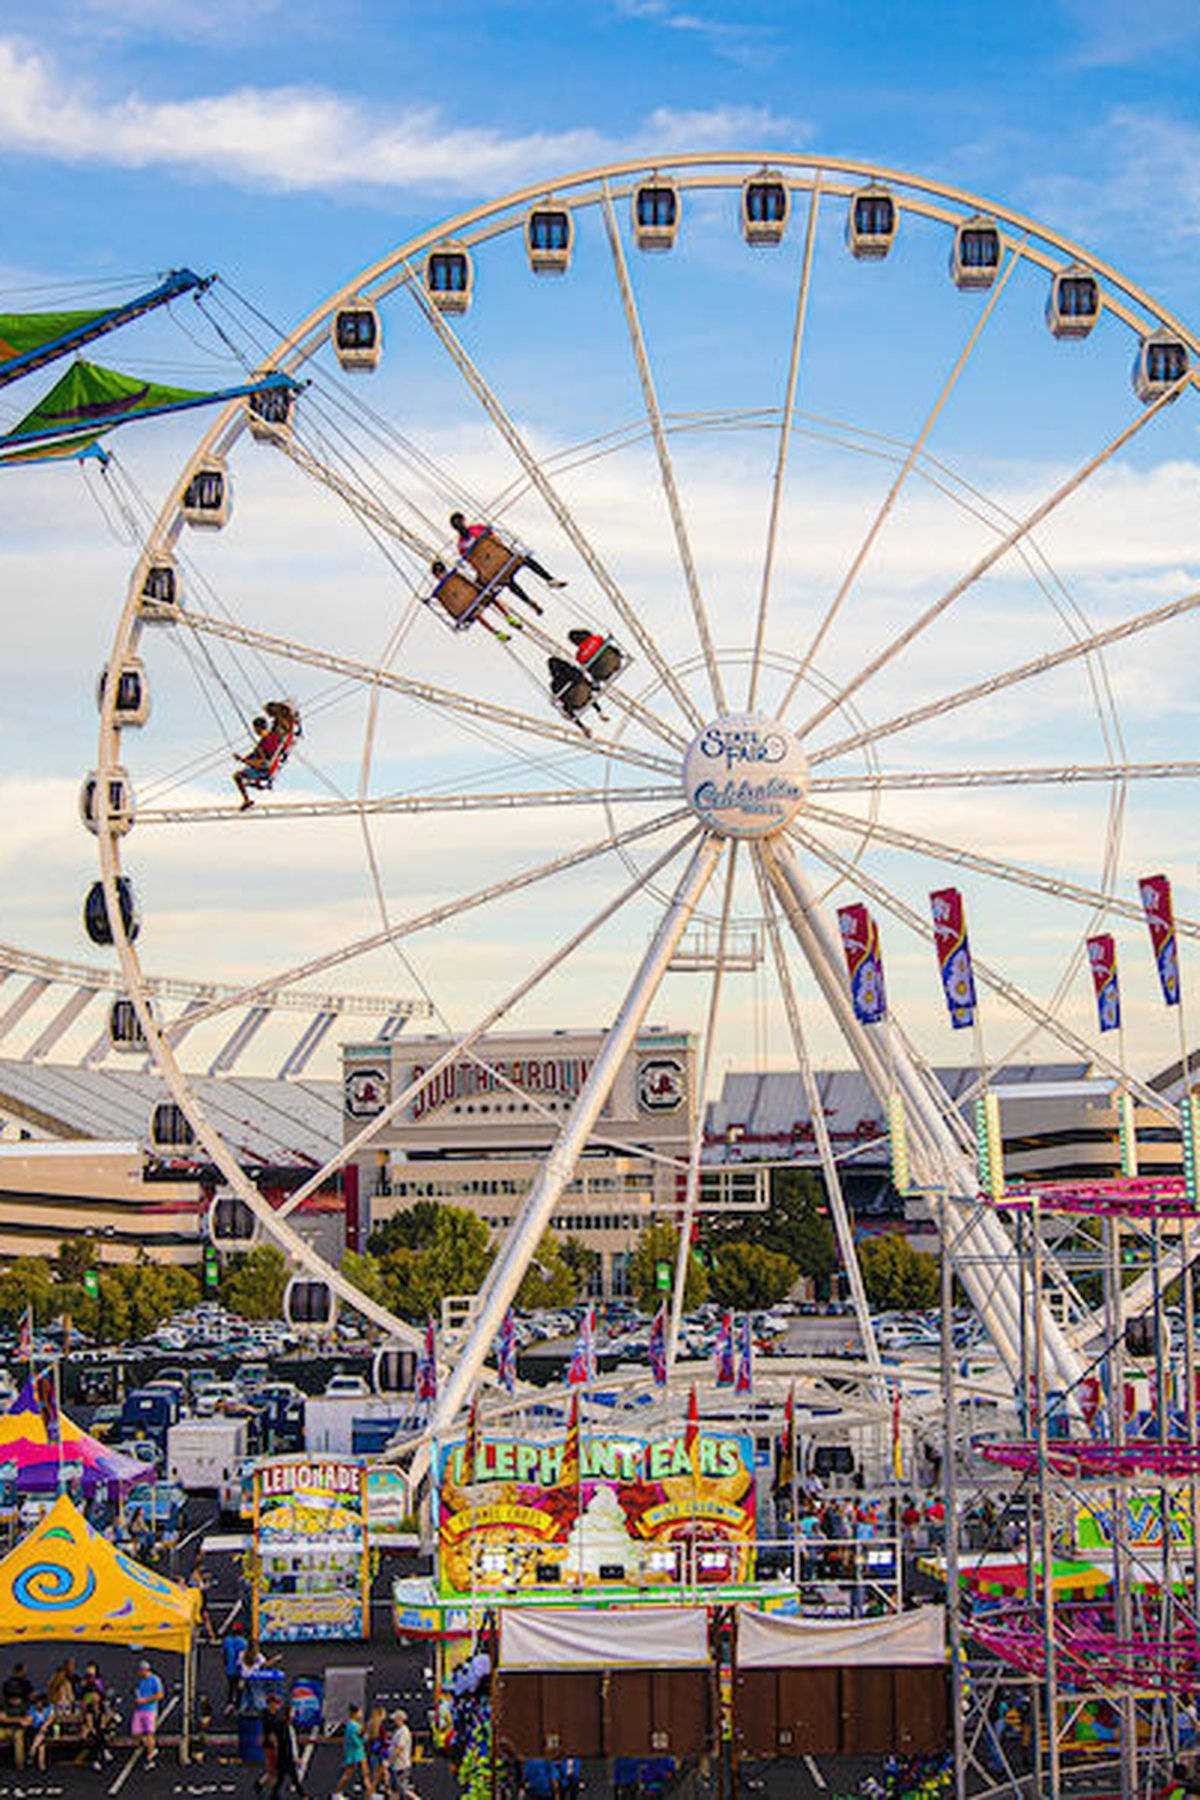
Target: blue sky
{"points": [[285, 146]]}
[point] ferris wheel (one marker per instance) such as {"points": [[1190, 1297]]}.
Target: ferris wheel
{"points": [[848, 560]]}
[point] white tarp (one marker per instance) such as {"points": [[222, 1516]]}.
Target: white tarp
{"points": [[773, 1641], [580, 1637]]}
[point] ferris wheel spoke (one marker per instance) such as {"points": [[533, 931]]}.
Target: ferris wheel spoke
{"points": [[407, 803], [989, 560], [437, 915], [447, 699], [361, 501], [1047, 775], [893, 493], [785, 437], [691, 1195], [462, 1045], [555, 504], [816, 1112], [520, 1244], [1007, 678], [666, 468], [1019, 874], [990, 977]]}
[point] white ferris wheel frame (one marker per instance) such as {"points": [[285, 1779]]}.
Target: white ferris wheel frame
{"points": [[942, 1150]]}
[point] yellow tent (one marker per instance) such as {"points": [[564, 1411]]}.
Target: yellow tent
{"points": [[65, 1581]]}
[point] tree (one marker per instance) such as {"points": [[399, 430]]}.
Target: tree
{"points": [[549, 1280], [133, 1299], [454, 1259], [28, 1281], [897, 1277], [660, 1243], [75, 1257], [582, 1260], [748, 1276], [367, 1274], [412, 1229], [254, 1282], [795, 1224]]}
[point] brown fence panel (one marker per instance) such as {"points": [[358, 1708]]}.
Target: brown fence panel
{"points": [[756, 1712], [808, 1719], [658, 1712], [868, 1711], [556, 1713], [922, 1709]]}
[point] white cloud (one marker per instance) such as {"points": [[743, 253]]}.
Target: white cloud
{"points": [[304, 137], [1113, 34]]}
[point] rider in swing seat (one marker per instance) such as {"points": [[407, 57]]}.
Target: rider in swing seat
{"points": [[274, 736], [489, 555], [464, 598], [570, 690]]}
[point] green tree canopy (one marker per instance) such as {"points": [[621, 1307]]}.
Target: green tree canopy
{"points": [[748, 1276], [253, 1283], [897, 1277], [795, 1224], [412, 1229], [453, 1258], [28, 1281], [550, 1279], [660, 1243]]}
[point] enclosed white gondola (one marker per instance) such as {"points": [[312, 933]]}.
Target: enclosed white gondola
{"points": [[208, 498], [161, 594], [231, 1224], [357, 334], [450, 277], [1161, 363], [269, 413], [170, 1129], [125, 1028], [95, 912], [975, 257], [1073, 303], [394, 1370], [132, 703], [871, 222], [656, 210], [766, 203], [549, 237], [309, 1304], [120, 802]]}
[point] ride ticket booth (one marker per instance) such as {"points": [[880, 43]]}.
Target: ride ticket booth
{"points": [[310, 1559]]}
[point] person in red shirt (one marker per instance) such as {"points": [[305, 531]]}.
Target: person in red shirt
{"points": [[274, 736], [595, 653]]}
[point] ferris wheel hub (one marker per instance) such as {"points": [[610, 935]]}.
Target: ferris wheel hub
{"points": [[745, 776]]}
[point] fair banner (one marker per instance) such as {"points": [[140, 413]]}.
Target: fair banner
{"points": [[1160, 921], [616, 1512], [864, 963], [954, 955], [1102, 956]]}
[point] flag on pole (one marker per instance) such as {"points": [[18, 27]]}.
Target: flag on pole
{"points": [[471, 1447], [1102, 955], [1160, 917], [723, 1352], [658, 1347], [864, 963], [785, 1462], [954, 955], [506, 1356], [570, 1472], [425, 1385], [583, 1358], [25, 1349], [897, 1453], [691, 1429], [744, 1379], [45, 1389]]}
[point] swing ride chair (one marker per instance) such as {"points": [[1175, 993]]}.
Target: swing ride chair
{"points": [[599, 672], [476, 580], [260, 771]]}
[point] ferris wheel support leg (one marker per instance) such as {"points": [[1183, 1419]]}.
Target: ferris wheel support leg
{"points": [[984, 1256], [507, 1272]]}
